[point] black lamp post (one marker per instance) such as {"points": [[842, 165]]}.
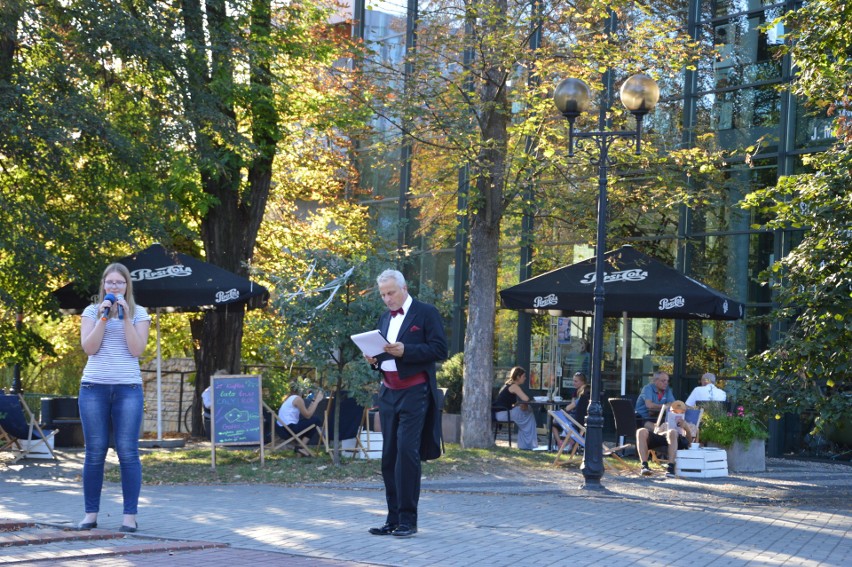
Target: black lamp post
{"points": [[639, 94]]}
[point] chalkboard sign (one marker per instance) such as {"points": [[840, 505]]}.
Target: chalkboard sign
{"points": [[235, 411]]}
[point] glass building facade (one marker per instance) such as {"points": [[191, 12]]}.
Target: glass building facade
{"points": [[734, 95]]}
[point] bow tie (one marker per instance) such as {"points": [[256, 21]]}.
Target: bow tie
{"points": [[395, 312]]}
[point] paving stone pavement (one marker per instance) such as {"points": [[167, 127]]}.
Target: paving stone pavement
{"points": [[797, 513]]}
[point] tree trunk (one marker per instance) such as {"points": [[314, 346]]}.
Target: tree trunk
{"points": [[478, 350], [230, 227], [487, 204], [10, 15], [218, 338]]}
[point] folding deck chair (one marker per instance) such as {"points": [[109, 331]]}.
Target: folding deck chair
{"points": [[20, 433], [289, 437], [577, 432], [573, 431]]}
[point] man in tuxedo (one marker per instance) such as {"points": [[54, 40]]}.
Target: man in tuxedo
{"points": [[408, 399]]}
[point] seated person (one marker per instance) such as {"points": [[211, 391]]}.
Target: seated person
{"points": [[519, 412], [298, 417], [707, 391], [206, 401], [652, 398], [673, 438], [577, 409]]}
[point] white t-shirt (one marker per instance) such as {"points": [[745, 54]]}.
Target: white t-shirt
{"points": [[708, 393], [113, 363]]}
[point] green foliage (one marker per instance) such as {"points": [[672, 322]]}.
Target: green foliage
{"points": [[321, 309], [451, 377], [809, 370], [724, 429]]}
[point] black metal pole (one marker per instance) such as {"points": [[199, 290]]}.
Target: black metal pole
{"points": [[592, 466]]}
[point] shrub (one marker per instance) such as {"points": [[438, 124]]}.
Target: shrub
{"points": [[723, 429], [451, 377]]}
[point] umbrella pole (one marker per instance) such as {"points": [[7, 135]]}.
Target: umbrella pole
{"points": [[625, 336], [159, 383]]}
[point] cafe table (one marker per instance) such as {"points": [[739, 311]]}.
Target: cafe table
{"points": [[544, 403]]}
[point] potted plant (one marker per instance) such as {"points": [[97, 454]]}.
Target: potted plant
{"points": [[451, 377], [740, 434]]}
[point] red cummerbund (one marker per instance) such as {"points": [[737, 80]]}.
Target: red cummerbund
{"points": [[394, 382]]}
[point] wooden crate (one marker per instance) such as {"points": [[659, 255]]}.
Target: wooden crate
{"points": [[703, 462]]}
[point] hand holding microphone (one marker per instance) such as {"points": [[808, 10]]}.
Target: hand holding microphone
{"points": [[111, 298]]}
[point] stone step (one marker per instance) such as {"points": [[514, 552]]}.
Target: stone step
{"points": [[27, 542]]}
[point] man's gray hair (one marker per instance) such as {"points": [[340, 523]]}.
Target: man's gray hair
{"points": [[710, 377], [659, 374], [391, 275]]}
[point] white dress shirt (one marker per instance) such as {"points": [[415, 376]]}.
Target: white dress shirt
{"points": [[394, 327]]}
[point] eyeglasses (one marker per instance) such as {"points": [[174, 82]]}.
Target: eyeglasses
{"points": [[111, 283]]}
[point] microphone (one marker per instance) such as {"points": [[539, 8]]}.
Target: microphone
{"points": [[119, 297], [108, 297]]}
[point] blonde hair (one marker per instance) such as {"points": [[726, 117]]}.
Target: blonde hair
{"points": [[121, 269]]}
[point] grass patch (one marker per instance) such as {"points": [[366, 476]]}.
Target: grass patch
{"points": [[192, 465]]}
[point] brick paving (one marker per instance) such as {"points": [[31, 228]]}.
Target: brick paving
{"points": [[794, 514]]}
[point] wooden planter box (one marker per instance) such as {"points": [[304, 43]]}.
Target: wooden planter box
{"points": [[705, 462]]}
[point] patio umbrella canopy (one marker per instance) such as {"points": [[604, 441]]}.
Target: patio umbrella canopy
{"points": [[635, 285], [171, 281]]}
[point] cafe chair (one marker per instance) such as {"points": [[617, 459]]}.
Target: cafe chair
{"points": [[624, 416], [20, 432], [497, 424]]}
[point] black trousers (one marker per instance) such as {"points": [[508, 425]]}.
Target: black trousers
{"points": [[402, 414]]}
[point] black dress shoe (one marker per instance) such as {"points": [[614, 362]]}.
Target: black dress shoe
{"points": [[87, 526], [404, 530], [128, 529], [387, 529]]}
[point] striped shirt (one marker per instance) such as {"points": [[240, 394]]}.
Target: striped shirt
{"points": [[113, 363]]}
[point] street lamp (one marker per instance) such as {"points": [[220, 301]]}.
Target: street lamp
{"points": [[639, 95]]}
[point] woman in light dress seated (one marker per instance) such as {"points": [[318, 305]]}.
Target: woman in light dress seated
{"points": [[298, 416], [513, 398]]}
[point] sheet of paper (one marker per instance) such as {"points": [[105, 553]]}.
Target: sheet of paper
{"points": [[371, 343], [672, 418]]}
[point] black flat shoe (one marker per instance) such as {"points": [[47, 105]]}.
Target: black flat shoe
{"points": [[404, 530], [87, 525], [387, 529], [128, 529]]}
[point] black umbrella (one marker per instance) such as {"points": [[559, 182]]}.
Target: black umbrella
{"points": [[171, 281], [635, 284]]}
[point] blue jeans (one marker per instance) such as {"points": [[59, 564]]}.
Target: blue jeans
{"points": [[117, 409]]}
